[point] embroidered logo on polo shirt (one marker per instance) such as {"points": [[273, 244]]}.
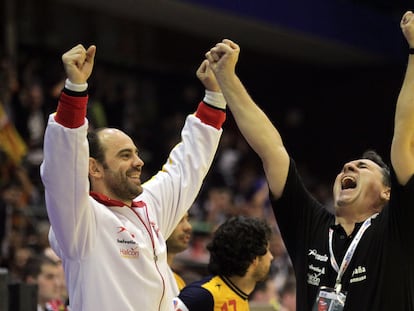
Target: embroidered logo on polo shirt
{"points": [[358, 275], [314, 269], [314, 253], [314, 274], [314, 279], [122, 229]]}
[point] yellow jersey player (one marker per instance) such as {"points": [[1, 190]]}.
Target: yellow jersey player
{"points": [[239, 258]]}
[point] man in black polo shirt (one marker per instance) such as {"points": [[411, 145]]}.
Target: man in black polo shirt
{"points": [[361, 258]]}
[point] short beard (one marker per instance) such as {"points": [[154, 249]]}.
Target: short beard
{"points": [[121, 187]]}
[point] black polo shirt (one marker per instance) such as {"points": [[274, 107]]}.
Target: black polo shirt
{"points": [[380, 275]]}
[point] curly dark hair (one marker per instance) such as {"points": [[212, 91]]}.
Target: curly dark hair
{"points": [[236, 243]]}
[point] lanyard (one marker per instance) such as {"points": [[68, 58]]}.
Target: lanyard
{"points": [[349, 252]]}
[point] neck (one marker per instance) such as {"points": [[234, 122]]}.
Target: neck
{"points": [[245, 284], [348, 226], [170, 259], [348, 223]]}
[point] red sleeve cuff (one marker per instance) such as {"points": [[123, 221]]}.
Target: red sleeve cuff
{"points": [[71, 110], [210, 115]]}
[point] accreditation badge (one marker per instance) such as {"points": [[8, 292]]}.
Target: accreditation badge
{"points": [[328, 299]]}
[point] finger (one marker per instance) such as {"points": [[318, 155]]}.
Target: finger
{"points": [[216, 56], [231, 44], [90, 54], [77, 53], [207, 68], [216, 53], [221, 48], [407, 17], [203, 67], [74, 56], [234, 46], [228, 42], [79, 47], [76, 50], [209, 57]]}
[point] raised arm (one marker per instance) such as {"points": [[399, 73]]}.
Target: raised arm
{"points": [[402, 149], [66, 154], [253, 123]]}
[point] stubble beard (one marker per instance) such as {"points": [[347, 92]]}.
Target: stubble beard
{"points": [[122, 187]]}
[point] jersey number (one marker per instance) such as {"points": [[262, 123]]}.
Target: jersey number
{"points": [[229, 306]]}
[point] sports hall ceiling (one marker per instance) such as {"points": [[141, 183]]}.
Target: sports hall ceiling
{"points": [[320, 31]]}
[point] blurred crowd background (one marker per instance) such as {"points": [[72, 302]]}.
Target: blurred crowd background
{"points": [[144, 83]]}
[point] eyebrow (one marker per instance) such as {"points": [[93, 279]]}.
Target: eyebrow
{"points": [[358, 163], [369, 163], [130, 150]]}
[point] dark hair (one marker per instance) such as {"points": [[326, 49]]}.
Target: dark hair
{"points": [[375, 157], [96, 150], [236, 243]]}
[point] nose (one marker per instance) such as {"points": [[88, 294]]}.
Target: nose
{"points": [[349, 167], [187, 226], [57, 281], [138, 162]]}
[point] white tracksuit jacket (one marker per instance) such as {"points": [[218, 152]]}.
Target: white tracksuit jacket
{"points": [[115, 256]]}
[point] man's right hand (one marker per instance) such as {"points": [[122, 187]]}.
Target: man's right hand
{"points": [[223, 58], [78, 63], [407, 26]]}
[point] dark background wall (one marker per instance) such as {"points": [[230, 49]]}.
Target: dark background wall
{"points": [[327, 72]]}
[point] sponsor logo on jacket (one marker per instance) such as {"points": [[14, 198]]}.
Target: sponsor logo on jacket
{"points": [[127, 245]]}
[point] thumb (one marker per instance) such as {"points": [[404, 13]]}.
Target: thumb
{"points": [[202, 69], [89, 61], [90, 54]]}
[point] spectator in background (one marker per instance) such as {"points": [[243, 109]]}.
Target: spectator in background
{"points": [[239, 258], [265, 294], [17, 222], [178, 242], [62, 289], [281, 269], [17, 261], [219, 205], [30, 119], [44, 272], [287, 296]]}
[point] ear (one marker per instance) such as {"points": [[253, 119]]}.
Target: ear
{"points": [[385, 194], [95, 168], [256, 262], [31, 280]]}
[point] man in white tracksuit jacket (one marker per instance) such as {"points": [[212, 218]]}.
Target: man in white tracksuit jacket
{"points": [[109, 229]]}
